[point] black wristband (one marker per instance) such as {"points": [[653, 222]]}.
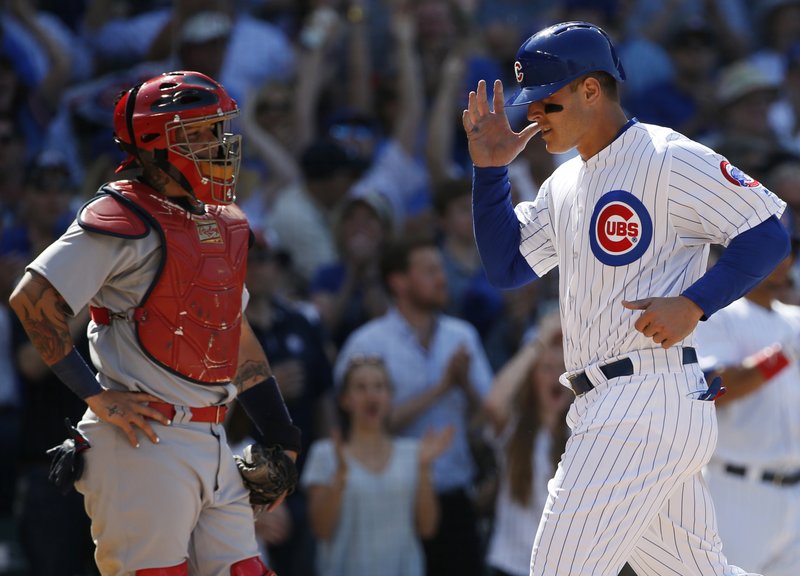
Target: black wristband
{"points": [[73, 371], [266, 408]]}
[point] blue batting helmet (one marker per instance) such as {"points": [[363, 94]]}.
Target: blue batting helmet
{"points": [[553, 57]]}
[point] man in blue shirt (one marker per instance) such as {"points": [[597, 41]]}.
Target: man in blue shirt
{"points": [[440, 373]]}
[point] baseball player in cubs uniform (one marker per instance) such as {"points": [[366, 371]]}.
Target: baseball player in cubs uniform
{"points": [[160, 261], [628, 222], [754, 474]]}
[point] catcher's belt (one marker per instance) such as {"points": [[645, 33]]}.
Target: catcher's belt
{"points": [[213, 414], [581, 384]]}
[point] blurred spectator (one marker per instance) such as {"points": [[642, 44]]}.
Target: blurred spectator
{"points": [[296, 349], [204, 35], [12, 170], [785, 114], [302, 214], [470, 295], [53, 529], [10, 402], [385, 129], [732, 20], [34, 70], [687, 100], [44, 42], [44, 210], [440, 373], [526, 410], [521, 312], [754, 345], [81, 128], [778, 26], [371, 497], [782, 176], [744, 135], [350, 292], [280, 121]]}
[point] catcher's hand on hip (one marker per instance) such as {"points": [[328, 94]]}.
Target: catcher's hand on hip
{"points": [[126, 410], [268, 472]]}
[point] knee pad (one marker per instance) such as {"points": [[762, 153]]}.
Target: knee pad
{"points": [[181, 569], [251, 567]]}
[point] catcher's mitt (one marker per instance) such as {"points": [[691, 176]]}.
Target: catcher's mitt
{"points": [[267, 473]]}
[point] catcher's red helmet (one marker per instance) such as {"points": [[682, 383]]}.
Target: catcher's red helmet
{"points": [[157, 121]]}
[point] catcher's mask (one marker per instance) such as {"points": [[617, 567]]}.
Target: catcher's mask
{"points": [[180, 121]]}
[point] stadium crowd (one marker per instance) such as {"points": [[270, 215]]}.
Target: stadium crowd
{"points": [[357, 183]]}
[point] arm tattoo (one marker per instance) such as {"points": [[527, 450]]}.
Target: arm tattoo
{"points": [[250, 372], [44, 316]]}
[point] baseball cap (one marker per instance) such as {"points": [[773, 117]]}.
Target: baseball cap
{"points": [[205, 26], [740, 79]]}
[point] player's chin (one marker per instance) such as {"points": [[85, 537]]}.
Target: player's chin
{"points": [[553, 146]]}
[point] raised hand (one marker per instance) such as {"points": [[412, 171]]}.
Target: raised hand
{"points": [[492, 142], [434, 443], [457, 371]]}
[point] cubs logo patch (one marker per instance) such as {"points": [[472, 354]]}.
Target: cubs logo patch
{"points": [[736, 177], [620, 229], [208, 232], [518, 71]]}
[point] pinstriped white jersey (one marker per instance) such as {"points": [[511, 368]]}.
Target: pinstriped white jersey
{"points": [[634, 221]]}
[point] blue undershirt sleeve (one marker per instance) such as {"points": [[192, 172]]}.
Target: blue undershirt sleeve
{"points": [[496, 229], [748, 259]]}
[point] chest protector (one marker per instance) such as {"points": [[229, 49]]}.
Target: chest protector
{"points": [[190, 319]]}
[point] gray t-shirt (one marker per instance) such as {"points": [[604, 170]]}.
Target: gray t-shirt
{"points": [[115, 273], [376, 532]]}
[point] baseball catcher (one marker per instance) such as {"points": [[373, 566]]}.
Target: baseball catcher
{"points": [[162, 257]]}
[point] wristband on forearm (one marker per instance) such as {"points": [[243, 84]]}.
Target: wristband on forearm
{"points": [[266, 408], [73, 371], [769, 362]]}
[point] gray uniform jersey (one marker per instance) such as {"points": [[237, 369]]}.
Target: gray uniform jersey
{"points": [[115, 273]]}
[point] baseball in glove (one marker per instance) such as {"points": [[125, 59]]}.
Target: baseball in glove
{"points": [[267, 472]]}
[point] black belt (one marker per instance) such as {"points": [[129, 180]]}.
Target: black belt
{"points": [[581, 384], [777, 478]]}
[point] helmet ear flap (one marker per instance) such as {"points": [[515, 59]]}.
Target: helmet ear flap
{"points": [[130, 106], [123, 126]]}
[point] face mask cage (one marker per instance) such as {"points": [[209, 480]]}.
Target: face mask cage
{"points": [[207, 153]]}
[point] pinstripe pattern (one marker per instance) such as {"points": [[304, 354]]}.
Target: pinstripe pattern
{"points": [[629, 486], [691, 205], [759, 522]]}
